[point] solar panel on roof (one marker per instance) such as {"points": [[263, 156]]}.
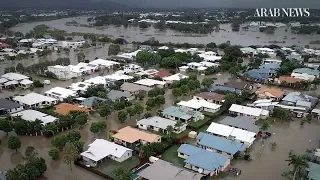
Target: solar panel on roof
{"points": [[56, 93]]}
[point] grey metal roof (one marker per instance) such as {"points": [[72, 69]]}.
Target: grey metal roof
{"points": [[114, 94], [157, 121], [162, 170], [7, 104], [242, 122]]}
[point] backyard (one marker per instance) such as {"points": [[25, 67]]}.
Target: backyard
{"points": [[108, 166]]}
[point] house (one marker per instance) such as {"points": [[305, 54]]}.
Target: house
{"points": [[151, 83], [115, 94], [14, 77], [102, 63], [196, 66], [35, 100], [240, 135], [2, 82], [79, 87], [239, 85], [175, 77], [209, 64], [14, 80], [200, 105], [269, 93], [267, 51], [161, 74], [247, 50], [210, 56], [217, 88], [266, 104], [92, 102], [272, 61], [134, 88], [288, 80], [65, 108], [241, 122], [270, 66], [161, 170], [299, 100], [210, 97], [65, 72], [148, 73], [26, 83], [220, 145], [261, 74], [182, 113], [131, 137], [32, 115], [99, 80], [102, 149], [60, 93], [132, 68], [203, 161], [157, 123], [313, 170], [305, 74], [256, 113], [145, 47], [118, 77], [8, 107]]}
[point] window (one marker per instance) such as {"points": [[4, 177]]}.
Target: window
{"points": [[181, 154]]}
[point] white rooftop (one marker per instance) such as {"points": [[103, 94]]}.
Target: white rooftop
{"points": [[14, 76], [248, 110], [3, 80], [97, 80], [79, 86], [227, 131], [150, 82], [175, 77], [14, 82], [26, 82], [101, 148], [118, 77], [61, 92], [33, 98], [103, 62], [196, 104], [32, 115], [158, 122]]}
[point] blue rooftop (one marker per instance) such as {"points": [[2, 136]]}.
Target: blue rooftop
{"points": [[219, 143], [260, 74], [224, 88], [202, 158]]}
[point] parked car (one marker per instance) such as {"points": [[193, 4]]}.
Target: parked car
{"points": [[235, 171]]}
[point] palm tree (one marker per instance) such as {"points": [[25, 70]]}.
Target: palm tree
{"points": [[169, 130], [298, 162], [178, 125], [71, 154]]}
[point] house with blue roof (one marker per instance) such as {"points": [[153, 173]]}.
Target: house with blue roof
{"points": [[203, 161], [226, 147], [262, 74], [183, 114], [216, 87]]}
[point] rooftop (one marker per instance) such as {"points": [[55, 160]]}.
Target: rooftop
{"points": [[131, 87], [65, 108], [157, 121], [14, 76], [274, 91], [61, 92], [307, 71], [196, 104], [181, 112], [33, 98], [248, 110], [101, 148], [313, 171], [163, 170], [161, 74], [115, 94], [131, 135], [227, 131], [7, 104], [242, 122], [175, 77], [289, 79], [32, 115], [202, 158], [150, 82], [102, 62], [92, 101], [211, 96], [118, 77], [220, 143], [223, 88]]}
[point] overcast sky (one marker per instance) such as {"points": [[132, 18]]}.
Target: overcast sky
{"points": [[314, 4]]}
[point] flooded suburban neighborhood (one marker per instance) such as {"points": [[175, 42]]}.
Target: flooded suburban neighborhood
{"points": [[155, 99]]}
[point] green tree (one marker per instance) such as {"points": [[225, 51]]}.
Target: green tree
{"points": [[122, 115], [30, 152], [281, 113], [5, 126], [114, 49], [122, 174], [160, 100], [81, 57], [104, 110], [70, 155], [185, 89], [81, 119], [131, 111], [138, 109], [37, 83], [54, 153], [98, 127], [17, 173], [73, 136], [299, 162], [59, 141], [14, 142], [206, 82], [19, 68], [230, 99], [151, 103], [264, 126], [143, 57], [176, 92]]}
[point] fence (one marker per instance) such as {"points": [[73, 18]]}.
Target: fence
{"points": [[92, 170]]}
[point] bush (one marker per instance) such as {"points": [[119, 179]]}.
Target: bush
{"points": [[54, 153], [37, 83]]}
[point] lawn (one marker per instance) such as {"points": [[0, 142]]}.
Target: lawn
{"points": [[197, 124], [171, 155], [204, 128], [109, 165], [183, 133]]}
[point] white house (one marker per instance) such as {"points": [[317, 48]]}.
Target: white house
{"points": [[97, 80], [240, 135], [102, 63], [32, 115], [200, 105], [26, 83], [267, 51], [151, 83], [35, 100], [14, 77], [256, 113], [65, 72], [102, 149], [272, 61], [132, 68], [175, 77], [60, 93], [306, 74], [118, 77], [79, 87], [157, 123], [196, 66], [209, 64]]}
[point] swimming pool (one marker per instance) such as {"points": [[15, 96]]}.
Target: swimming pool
{"points": [[135, 174]]}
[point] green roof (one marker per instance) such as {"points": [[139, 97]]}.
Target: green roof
{"points": [[313, 171], [307, 71], [91, 101], [181, 112]]}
